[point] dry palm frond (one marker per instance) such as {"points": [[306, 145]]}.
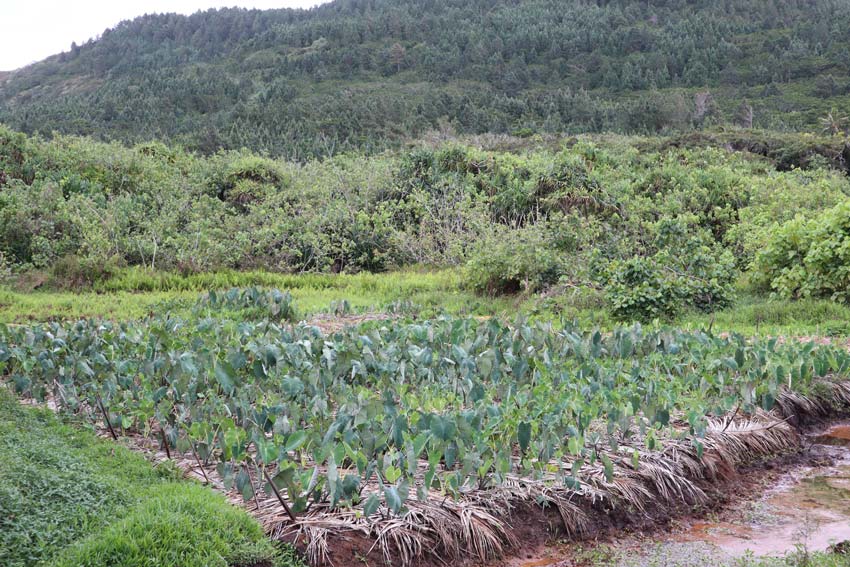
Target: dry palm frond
{"points": [[477, 524]]}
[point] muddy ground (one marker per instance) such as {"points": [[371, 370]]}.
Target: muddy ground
{"points": [[797, 503]]}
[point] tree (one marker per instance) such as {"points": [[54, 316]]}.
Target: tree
{"points": [[705, 107], [744, 116], [826, 87], [833, 123], [397, 55]]}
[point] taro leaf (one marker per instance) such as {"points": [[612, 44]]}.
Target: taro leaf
{"points": [[393, 499], [84, 369], [575, 444], [291, 386], [459, 354], [651, 442], [284, 477], [22, 383], [371, 505], [226, 377], [739, 357], [231, 437], [159, 394], [225, 471], [609, 467], [237, 359], [244, 485], [350, 485], [333, 482], [524, 436], [477, 393], [267, 450], [295, 441], [443, 428], [392, 474], [187, 364], [419, 443], [450, 455]]}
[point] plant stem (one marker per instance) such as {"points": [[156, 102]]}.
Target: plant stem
{"points": [[200, 466], [106, 418], [279, 497], [165, 443]]}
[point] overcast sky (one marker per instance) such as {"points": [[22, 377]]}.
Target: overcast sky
{"points": [[31, 30]]}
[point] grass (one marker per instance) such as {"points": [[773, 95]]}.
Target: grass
{"points": [[755, 315], [135, 293], [38, 306], [68, 498], [751, 315]]}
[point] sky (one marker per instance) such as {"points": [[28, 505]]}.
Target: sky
{"points": [[31, 30]]}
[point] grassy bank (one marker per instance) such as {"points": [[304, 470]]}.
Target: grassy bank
{"points": [[135, 293], [68, 499]]}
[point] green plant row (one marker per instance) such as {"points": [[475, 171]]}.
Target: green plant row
{"points": [[373, 417]]}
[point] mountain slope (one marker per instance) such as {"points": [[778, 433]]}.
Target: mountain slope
{"points": [[367, 73]]}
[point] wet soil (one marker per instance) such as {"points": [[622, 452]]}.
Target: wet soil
{"points": [[807, 506], [798, 500]]}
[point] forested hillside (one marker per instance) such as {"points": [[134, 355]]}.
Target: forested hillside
{"points": [[366, 74]]}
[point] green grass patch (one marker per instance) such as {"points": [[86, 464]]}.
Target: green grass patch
{"points": [[135, 293], [751, 315], [759, 315], [69, 498]]}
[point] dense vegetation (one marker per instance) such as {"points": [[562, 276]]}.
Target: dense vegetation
{"points": [[69, 499], [367, 73], [383, 417], [645, 226], [576, 165]]}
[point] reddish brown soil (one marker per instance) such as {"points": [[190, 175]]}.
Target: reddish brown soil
{"points": [[540, 534]]}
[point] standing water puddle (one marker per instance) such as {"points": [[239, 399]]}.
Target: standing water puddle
{"points": [[809, 506]]}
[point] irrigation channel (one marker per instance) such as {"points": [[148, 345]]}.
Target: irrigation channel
{"points": [[802, 507]]}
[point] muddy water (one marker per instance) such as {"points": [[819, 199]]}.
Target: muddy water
{"points": [[809, 506]]}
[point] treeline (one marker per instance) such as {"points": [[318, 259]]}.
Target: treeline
{"points": [[367, 74], [652, 225]]}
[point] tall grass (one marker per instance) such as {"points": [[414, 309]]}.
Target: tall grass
{"points": [[137, 279]]}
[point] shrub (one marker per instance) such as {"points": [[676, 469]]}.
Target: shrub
{"points": [[808, 258], [510, 261], [71, 272], [684, 272]]}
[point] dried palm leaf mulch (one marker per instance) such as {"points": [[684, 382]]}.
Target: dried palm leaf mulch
{"points": [[485, 524], [330, 323]]}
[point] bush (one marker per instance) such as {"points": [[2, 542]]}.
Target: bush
{"points": [[808, 258], [683, 273], [509, 261], [70, 272], [183, 525]]}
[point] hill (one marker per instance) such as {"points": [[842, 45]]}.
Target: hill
{"points": [[366, 74]]}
